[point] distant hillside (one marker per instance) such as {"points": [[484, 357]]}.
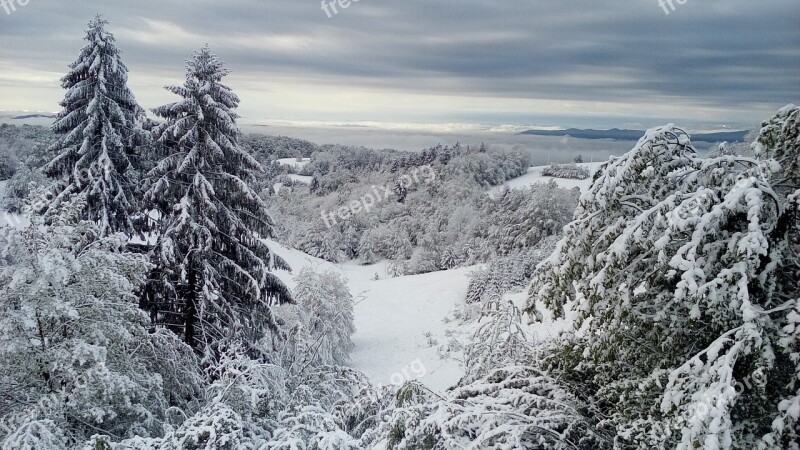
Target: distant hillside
{"points": [[634, 135], [34, 116]]}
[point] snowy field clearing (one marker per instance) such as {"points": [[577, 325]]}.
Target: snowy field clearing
{"points": [[297, 178], [392, 317], [534, 176], [294, 162], [301, 178], [397, 319]]}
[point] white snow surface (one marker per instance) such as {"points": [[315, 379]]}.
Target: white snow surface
{"points": [[393, 316], [294, 162], [301, 178], [534, 176]]}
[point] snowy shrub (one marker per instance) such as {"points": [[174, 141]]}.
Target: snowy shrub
{"points": [[511, 408], [678, 271], [450, 259], [396, 269], [384, 242], [215, 427], [18, 188], [507, 273], [255, 390], [423, 261], [75, 349], [36, 435], [327, 310], [320, 242], [566, 171], [499, 342], [313, 429]]}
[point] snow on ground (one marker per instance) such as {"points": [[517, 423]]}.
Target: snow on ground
{"points": [[400, 322], [13, 220], [392, 317], [294, 162], [534, 176], [277, 187], [301, 178]]}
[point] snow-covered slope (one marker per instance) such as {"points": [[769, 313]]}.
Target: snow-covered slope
{"points": [[301, 178], [392, 317], [402, 322], [534, 176], [294, 162]]}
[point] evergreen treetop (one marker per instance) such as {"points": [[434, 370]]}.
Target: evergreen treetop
{"points": [[214, 275], [100, 128]]}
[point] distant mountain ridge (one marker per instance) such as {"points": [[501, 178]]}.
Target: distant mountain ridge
{"points": [[635, 135], [34, 116]]}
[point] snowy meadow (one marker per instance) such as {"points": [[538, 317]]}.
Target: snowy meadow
{"points": [[170, 281]]}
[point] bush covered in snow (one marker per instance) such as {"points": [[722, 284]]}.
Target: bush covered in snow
{"points": [[78, 355], [321, 322], [573, 171], [507, 273], [681, 271]]}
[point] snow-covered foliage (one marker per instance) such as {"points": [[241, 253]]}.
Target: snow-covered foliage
{"points": [[213, 276], [8, 162], [510, 408], [77, 355], [27, 149], [507, 273], [384, 242], [312, 428], [321, 322], [573, 171], [499, 342], [522, 218], [443, 224], [100, 129], [18, 188], [681, 273]]}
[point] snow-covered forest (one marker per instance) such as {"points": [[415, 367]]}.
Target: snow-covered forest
{"points": [[168, 281]]}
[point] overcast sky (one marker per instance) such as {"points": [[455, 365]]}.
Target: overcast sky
{"points": [[560, 62]]}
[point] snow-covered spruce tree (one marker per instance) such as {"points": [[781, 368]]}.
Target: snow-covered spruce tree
{"points": [[213, 276], [76, 355], [100, 128], [675, 269]]}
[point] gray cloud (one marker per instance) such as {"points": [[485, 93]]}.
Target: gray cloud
{"points": [[734, 60]]}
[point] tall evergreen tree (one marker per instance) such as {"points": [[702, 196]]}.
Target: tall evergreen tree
{"points": [[213, 278], [100, 128]]}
